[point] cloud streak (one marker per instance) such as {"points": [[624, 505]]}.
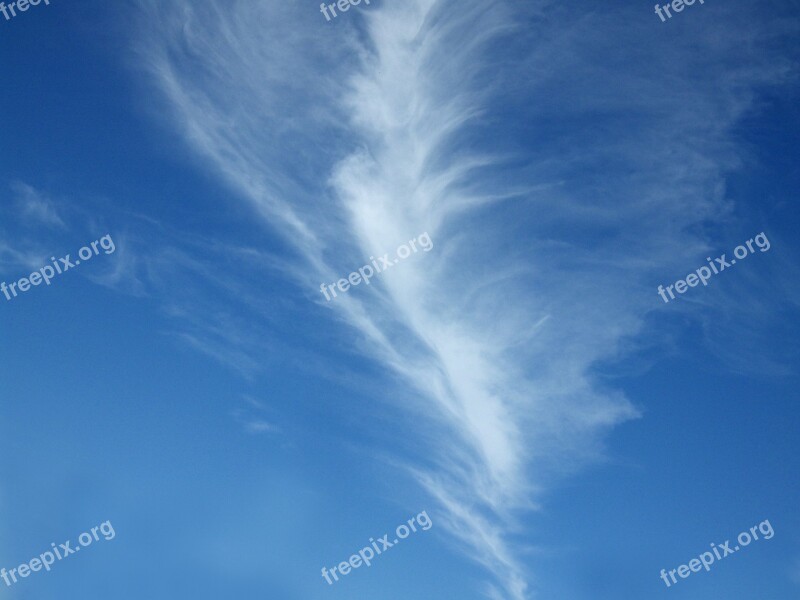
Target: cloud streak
{"points": [[542, 267], [35, 206]]}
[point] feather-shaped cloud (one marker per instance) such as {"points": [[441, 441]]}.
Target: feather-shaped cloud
{"points": [[349, 140]]}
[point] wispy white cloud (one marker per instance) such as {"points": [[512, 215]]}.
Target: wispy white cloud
{"points": [[258, 426], [35, 206], [501, 324], [13, 258], [252, 417], [221, 348]]}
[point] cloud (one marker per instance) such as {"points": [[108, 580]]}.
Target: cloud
{"points": [[259, 427], [251, 417], [12, 258], [122, 272], [35, 206], [557, 187], [221, 349]]}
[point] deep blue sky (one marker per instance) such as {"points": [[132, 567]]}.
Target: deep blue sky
{"points": [[194, 389]]}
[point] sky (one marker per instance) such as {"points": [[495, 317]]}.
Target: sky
{"points": [[517, 378]]}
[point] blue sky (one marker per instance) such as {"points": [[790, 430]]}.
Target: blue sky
{"points": [[569, 434]]}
